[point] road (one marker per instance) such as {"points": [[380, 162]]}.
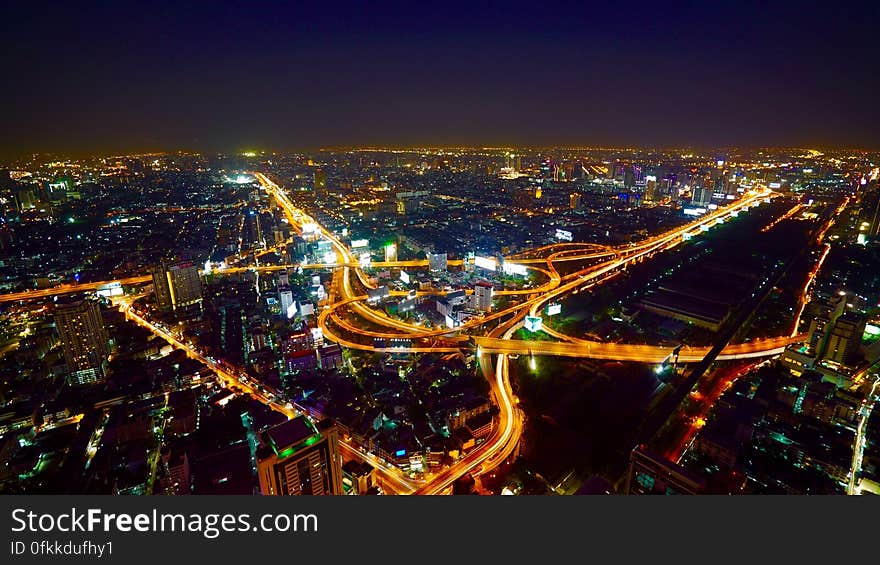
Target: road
{"points": [[859, 445]]}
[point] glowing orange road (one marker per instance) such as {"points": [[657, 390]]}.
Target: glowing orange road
{"points": [[631, 352]]}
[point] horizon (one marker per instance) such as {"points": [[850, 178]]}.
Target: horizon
{"points": [[216, 77]]}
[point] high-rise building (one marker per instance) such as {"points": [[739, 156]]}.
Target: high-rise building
{"points": [[650, 473], [177, 285], [822, 323], [629, 176], [298, 458], [483, 296], [84, 339], [651, 188], [232, 334], [574, 200], [845, 338], [320, 183], [288, 304]]}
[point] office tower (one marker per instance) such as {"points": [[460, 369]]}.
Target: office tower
{"points": [[177, 286], [574, 201], [701, 196], [822, 323], [651, 188], [483, 296], [650, 473], [288, 305], [297, 458], [84, 339], [437, 261], [845, 338], [320, 183], [629, 176], [161, 287]]}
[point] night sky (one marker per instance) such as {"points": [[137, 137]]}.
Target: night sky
{"points": [[82, 78]]}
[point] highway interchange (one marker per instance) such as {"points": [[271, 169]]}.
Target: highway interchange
{"points": [[600, 263]]}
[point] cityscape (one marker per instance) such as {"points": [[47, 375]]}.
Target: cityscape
{"points": [[442, 321], [478, 250]]}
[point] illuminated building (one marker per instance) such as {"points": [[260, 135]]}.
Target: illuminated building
{"points": [[650, 188], [650, 473], [574, 201], [483, 296], [177, 286], [288, 305], [821, 324], [845, 338], [296, 458], [84, 339], [320, 183]]}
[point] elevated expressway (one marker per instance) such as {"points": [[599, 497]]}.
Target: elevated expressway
{"points": [[506, 433], [604, 263]]}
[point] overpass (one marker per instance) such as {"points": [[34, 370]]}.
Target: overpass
{"points": [[631, 352]]}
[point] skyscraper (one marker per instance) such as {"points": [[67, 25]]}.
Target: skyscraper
{"points": [[845, 338], [483, 296], [296, 458], [320, 183], [84, 339], [177, 285], [574, 200]]}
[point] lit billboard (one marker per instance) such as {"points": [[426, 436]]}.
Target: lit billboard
{"points": [[485, 263], [564, 235], [515, 269], [533, 323]]}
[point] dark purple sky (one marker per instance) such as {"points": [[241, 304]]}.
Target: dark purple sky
{"points": [[121, 76]]}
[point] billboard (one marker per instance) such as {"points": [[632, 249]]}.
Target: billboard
{"points": [[404, 277], [533, 323], [553, 309], [515, 269], [694, 211], [356, 243], [564, 235], [485, 263]]}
